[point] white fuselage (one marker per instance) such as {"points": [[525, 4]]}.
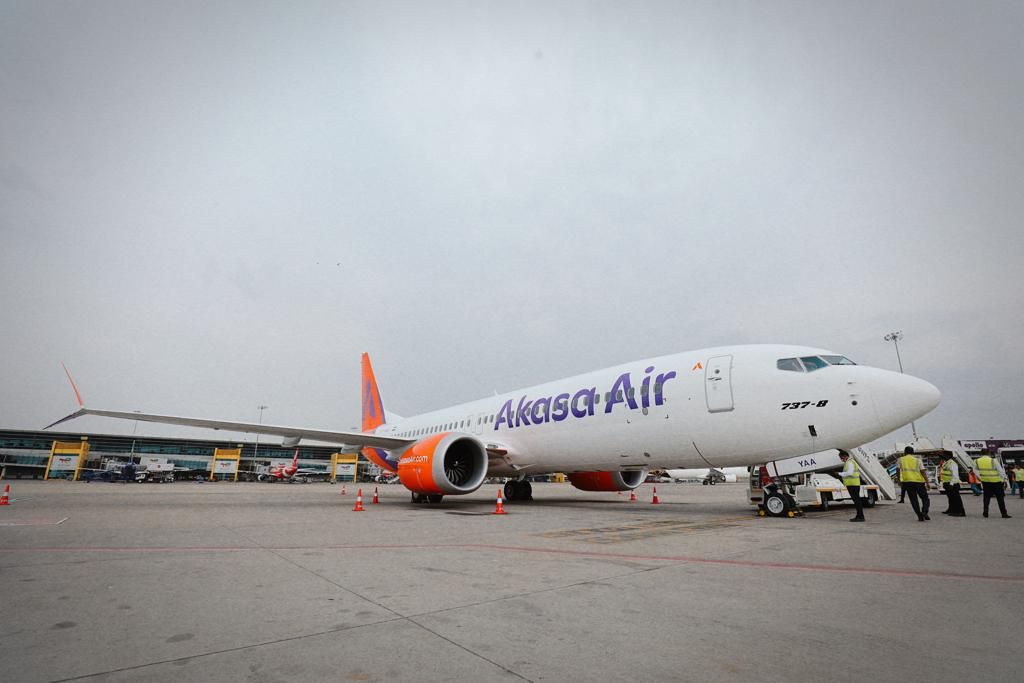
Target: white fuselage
{"points": [[720, 407]]}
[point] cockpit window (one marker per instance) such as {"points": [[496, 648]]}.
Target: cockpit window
{"points": [[813, 363], [790, 364], [838, 360]]}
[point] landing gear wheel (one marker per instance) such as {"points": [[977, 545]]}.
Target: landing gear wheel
{"points": [[516, 490], [418, 498], [434, 499], [775, 505]]}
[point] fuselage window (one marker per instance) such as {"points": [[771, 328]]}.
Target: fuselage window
{"points": [[790, 364], [813, 363], [631, 393]]}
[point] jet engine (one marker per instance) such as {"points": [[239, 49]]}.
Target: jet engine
{"points": [[608, 481], [444, 464]]}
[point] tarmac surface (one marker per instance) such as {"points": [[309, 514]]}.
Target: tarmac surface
{"points": [[276, 582]]}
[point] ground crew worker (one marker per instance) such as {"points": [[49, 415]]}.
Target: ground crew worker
{"points": [[1018, 474], [851, 478], [993, 478], [912, 477], [972, 479], [949, 477]]}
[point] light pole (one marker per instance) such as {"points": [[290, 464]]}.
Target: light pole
{"points": [[895, 337], [135, 426], [256, 450]]}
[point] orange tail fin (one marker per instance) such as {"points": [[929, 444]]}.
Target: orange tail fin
{"points": [[373, 407]]}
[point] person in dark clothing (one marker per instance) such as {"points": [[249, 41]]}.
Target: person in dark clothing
{"points": [[949, 477], [912, 476], [993, 480], [851, 478]]}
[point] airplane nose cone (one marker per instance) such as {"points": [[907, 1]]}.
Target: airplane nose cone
{"points": [[902, 399]]}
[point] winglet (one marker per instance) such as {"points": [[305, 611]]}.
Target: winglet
{"points": [[78, 396]]}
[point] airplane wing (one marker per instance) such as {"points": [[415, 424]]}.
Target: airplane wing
{"points": [[346, 438]]}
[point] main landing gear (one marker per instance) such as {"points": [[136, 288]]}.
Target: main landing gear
{"points": [[423, 498], [516, 490]]}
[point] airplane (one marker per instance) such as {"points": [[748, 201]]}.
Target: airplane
{"points": [[708, 475], [720, 407], [289, 472]]}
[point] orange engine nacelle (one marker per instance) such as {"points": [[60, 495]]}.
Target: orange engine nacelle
{"points": [[607, 481], [444, 464]]}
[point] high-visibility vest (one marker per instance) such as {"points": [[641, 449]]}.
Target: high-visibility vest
{"points": [[854, 479], [987, 472], [1018, 474], [946, 473], [910, 469]]}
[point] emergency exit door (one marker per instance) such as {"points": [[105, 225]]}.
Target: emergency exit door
{"points": [[718, 384]]}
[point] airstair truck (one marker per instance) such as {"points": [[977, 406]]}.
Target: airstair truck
{"points": [[780, 487]]}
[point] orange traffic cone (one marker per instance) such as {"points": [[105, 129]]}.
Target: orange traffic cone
{"points": [[654, 500], [632, 496], [5, 499], [499, 508], [359, 502], [343, 490], [376, 500]]}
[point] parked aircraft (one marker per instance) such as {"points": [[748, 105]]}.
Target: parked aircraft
{"points": [[708, 475], [289, 472], [720, 407]]}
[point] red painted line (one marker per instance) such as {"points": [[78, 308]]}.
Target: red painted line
{"points": [[747, 564]]}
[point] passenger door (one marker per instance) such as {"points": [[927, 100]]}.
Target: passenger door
{"points": [[718, 384]]}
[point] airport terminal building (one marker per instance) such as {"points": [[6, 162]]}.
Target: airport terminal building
{"points": [[73, 455]]}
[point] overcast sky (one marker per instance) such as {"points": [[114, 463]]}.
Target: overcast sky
{"points": [[205, 207]]}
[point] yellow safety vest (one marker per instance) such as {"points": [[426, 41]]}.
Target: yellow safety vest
{"points": [[1018, 474], [946, 474], [987, 472], [854, 479], [910, 469]]}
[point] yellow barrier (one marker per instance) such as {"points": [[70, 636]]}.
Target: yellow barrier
{"points": [[225, 462], [70, 455], [347, 463]]}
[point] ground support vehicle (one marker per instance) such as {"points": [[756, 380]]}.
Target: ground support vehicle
{"points": [[821, 489], [781, 487], [158, 472]]}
